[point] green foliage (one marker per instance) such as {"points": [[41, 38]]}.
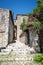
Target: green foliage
{"points": [[41, 16], [40, 3], [39, 9], [39, 6], [36, 25], [39, 58], [23, 25], [37, 14], [42, 62], [35, 10]]}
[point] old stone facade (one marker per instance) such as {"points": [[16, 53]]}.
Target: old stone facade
{"points": [[27, 37], [10, 30], [6, 27]]}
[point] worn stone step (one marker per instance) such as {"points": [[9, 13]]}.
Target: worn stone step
{"points": [[18, 48], [6, 51]]}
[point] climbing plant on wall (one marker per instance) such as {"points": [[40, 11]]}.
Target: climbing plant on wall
{"points": [[35, 19], [31, 22]]}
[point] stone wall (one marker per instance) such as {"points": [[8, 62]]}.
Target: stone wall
{"points": [[22, 37], [19, 21], [4, 27], [4, 24]]}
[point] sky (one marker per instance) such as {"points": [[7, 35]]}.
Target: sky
{"points": [[18, 6]]}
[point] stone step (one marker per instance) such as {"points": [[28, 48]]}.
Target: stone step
{"points": [[7, 51], [18, 48]]}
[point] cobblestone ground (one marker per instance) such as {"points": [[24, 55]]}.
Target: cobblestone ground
{"points": [[14, 59], [18, 63]]}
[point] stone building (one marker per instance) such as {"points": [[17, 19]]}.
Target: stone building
{"points": [[6, 27], [27, 37], [10, 30]]}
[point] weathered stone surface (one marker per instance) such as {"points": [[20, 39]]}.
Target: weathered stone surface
{"points": [[18, 48], [19, 21], [29, 38], [5, 25], [18, 59]]}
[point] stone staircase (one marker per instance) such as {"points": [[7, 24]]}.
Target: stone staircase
{"points": [[17, 48], [17, 54]]}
